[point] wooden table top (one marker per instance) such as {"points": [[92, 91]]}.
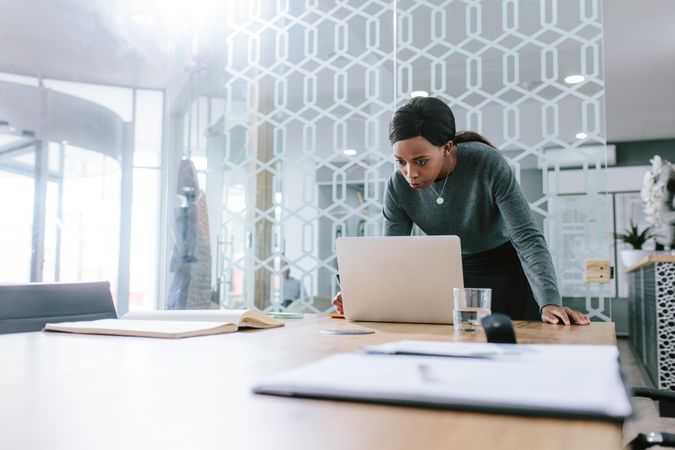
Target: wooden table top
{"points": [[61, 391], [652, 259]]}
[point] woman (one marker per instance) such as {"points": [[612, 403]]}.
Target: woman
{"points": [[450, 183]]}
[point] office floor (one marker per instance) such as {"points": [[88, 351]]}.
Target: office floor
{"points": [[646, 415]]}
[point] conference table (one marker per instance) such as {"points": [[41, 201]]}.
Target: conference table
{"points": [[67, 391]]}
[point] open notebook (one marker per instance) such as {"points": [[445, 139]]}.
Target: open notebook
{"points": [[539, 380], [171, 324]]}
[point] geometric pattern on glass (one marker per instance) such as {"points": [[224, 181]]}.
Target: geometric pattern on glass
{"points": [[305, 81], [502, 68]]}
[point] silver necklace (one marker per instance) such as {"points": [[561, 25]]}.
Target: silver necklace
{"points": [[439, 199]]}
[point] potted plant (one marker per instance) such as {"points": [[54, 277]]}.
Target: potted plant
{"points": [[636, 239]]}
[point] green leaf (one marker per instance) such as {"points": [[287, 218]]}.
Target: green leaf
{"points": [[634, 237]]}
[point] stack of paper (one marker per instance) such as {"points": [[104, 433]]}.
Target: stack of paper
{"points": [[556, 380]]}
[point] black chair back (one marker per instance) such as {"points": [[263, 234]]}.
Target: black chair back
{"points": [[29, 306]]}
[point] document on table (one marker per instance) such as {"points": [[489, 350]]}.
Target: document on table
{"points": [[565, 354], [431, 348], [589, 385]]}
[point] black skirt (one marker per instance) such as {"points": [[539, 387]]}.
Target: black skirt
{"points": [[500, 270]]}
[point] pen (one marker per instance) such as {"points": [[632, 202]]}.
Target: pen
{"points": [[425, 373], [286, 315]]}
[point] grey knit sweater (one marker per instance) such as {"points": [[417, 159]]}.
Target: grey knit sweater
{"points": [[484, 206]]}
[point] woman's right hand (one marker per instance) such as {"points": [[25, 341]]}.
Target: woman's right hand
{"points": [[337, 302]]}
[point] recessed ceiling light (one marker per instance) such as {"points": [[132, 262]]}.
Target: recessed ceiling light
{"points": [[574, 79], [581, 135], [419, 94], [350, 152]]}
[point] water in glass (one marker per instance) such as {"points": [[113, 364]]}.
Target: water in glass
{"points": [[468, 318]]}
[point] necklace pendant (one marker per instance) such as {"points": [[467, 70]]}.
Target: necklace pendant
{"points": [[440, 200]]}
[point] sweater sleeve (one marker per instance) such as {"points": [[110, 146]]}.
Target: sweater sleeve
{"points": [[526, 237], [396, 220]]}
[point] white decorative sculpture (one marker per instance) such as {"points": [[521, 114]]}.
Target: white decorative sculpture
{"points": [[658, 194]]}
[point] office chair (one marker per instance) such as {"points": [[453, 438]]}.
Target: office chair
{"points": [[499, 330], [29, 306], [643, 441]]}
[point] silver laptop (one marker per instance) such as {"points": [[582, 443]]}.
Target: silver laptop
{"points": [[399, 279]]}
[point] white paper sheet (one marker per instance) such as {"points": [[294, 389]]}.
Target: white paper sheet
{"points": [[563, 354], [543, 385]]}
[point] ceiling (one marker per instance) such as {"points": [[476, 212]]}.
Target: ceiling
{"points": [[639, 69], [96, 41]]}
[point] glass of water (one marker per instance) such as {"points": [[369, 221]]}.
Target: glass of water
{"points": [[470, 307]]}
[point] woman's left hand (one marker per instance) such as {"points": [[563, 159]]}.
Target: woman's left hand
{"points": [[556, 314]]}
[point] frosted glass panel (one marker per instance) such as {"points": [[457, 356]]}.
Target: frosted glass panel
{"points": [[18, 187], [503, 66], [292, 144]]}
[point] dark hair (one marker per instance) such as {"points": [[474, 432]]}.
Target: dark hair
{"points": [[432, 119]]}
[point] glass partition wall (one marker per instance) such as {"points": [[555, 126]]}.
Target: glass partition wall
{"points": [[66, 169], [63, 196], [17, 169], [282, 107], [291, 136]]}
